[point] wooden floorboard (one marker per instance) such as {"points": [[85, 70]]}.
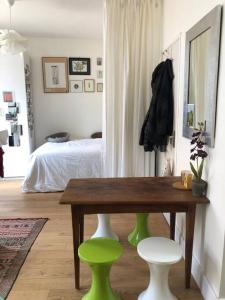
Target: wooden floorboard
{"points": [[48, 273]]}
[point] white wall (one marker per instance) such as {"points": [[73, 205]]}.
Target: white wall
{"points": [[180, 16], [12, 78], [78, 113]]}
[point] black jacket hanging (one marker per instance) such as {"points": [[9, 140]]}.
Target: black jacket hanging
{"points": [[158, 123]]}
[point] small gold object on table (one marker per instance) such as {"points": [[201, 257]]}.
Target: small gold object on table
{"points": [[186, 181]]}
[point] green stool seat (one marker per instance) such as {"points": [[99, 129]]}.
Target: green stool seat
{"points": [[140, 231], [100, 253]]}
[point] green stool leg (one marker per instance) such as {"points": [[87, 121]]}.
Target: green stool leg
{"points": [[140, 231], [100, 287]]}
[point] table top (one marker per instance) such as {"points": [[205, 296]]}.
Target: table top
{"points": [[132, 190]]}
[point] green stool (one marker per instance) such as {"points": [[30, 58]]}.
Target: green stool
{"points": [[100, 253], [140, 231]]}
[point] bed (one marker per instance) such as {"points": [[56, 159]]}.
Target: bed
{"points": [[52, 165]]}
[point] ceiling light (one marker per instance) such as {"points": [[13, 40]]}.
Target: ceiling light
{"points": [[11, 42]]}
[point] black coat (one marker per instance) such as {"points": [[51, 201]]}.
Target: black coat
{"points": [[158, 123]]}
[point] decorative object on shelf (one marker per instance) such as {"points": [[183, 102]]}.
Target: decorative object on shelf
{"points": [[99, 74], [55, 72], [7, 96], [198, 154], [99, 87], [186, 181], [89, 85], [99, 61], [79, 66], [76, 86], [183, 174], [11, 42]]}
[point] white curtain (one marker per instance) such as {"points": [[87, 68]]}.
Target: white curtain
{"points": [[132, 39]]}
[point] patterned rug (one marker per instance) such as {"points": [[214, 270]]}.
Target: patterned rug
{"points": [[16, 239]]}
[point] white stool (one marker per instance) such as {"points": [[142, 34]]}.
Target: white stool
{"points": [[159, 253], [104, 228]]}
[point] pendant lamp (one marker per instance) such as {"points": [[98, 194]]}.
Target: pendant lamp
{"points": [[11, 42]]}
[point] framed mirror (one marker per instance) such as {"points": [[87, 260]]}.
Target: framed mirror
{"points": [[201, 75]]}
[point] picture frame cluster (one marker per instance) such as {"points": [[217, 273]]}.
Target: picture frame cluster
{"points": [[56, 72]]}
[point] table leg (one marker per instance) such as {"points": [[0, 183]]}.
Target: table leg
{"points": [[172, 225], [81, 228], [190, 225], [76, 242]]}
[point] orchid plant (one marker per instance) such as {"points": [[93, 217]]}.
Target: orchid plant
{"points": [[198, 154]]}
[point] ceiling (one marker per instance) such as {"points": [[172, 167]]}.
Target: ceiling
{"points": [[55, 18]]}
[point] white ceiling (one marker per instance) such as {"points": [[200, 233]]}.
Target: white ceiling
{"points": [[55, 18]]}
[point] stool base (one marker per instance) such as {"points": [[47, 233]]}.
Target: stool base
{"points": [[104, 228], [100, 288], [140, 231], [158, 288]]}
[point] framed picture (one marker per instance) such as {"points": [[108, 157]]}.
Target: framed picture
{"points": [[55, 76], [79, 66], [99, 61], [100, 87], [7, 96], [89, 85], [76, 86], [100, 74]]}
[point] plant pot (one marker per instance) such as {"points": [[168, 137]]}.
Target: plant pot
{"points": [[199, 188]]}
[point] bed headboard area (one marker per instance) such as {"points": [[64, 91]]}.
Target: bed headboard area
{"points": [[96, 135]]}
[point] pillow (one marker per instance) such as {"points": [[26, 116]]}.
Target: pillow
{"points": [[59, 137], [96, 135]]}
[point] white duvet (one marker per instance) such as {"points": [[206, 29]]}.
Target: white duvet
{"points": [[52, 165]]}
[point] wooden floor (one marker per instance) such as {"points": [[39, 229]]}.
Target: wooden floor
{"points": [[48, 273]]}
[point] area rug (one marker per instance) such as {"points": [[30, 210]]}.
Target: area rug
{"points": [[16, 239]]}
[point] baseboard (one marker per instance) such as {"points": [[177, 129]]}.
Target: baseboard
{"points": [[11, 178], [207, 291]]}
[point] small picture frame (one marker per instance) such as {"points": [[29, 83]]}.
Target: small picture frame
{"points": [[99, 74], [89, 85], [99, 87], [79, 66], [99, 61], [55, 78], [13, 111], [76, 86], [7, 96]]}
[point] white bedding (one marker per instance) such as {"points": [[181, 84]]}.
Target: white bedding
{"points": [[52, 165]]}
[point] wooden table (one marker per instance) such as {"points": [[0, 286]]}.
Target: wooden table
{"points": [[130, 195]]}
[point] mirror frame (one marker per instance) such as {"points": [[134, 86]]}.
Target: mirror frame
{"points": [[213, 22]]}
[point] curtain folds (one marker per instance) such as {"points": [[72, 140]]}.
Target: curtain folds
{"points": [[132, 49]]}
